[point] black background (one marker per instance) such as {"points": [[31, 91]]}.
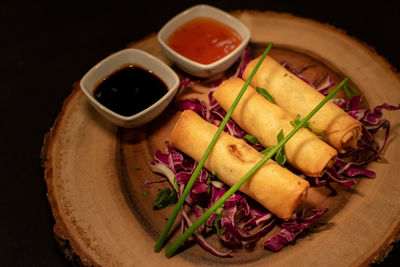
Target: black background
{"points": [[45, 46]]}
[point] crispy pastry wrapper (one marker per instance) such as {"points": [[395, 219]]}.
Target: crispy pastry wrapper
{"points": [[273, 186], [263, 119], [297, 97]]}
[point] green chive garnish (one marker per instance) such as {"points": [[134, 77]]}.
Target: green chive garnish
{"points": [[386, 125], [280, 156], [179, 242], [267, 150], [318, 132], [165, 198], [178, 206], [353, 90], [296, 121], [346, 91], [265, 94], [252, 139]]}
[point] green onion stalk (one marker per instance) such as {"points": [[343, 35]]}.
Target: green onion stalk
{"points": [[179, 242]]}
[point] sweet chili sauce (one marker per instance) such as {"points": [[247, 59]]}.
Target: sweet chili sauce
{"points": [[204, 40]]}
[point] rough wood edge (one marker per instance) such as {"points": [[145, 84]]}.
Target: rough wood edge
{"points": [[71, 249], [385, 249]]}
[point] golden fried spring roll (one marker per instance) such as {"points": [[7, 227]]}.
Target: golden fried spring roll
{"points": [[274, 187], [297, 97], [263, 119]]}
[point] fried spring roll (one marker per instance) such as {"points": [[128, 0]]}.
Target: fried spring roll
{"points": [[297, 97], [274, 187], [263, 119]]}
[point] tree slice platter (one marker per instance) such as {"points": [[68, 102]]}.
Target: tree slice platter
{"points": [[95, 171]]}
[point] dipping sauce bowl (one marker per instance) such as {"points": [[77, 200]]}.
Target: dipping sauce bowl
{"points": [[130, 87], [203, 26]]}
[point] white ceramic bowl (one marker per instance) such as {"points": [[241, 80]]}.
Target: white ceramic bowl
{"points": [[114, 62], [190, 66]]}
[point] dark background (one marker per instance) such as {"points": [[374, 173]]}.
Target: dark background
{"points": [[45, 46]]}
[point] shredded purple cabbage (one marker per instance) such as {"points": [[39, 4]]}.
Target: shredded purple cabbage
{"points": [[354, 163], [241, 221], [291, 229]]}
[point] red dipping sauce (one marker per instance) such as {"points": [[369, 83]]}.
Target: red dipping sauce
{"points": [[204, 40]]}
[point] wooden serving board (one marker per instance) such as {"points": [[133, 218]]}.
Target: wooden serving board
{"points": [[95, 171]]}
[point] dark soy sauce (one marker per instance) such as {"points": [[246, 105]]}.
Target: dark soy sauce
{"points": [[129, 90]]}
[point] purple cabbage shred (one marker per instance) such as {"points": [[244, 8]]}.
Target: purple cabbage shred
{"points": [[291, 229]]}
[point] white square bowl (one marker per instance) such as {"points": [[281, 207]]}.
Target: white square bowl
{"points": [[190, 66], [113, 63]]}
